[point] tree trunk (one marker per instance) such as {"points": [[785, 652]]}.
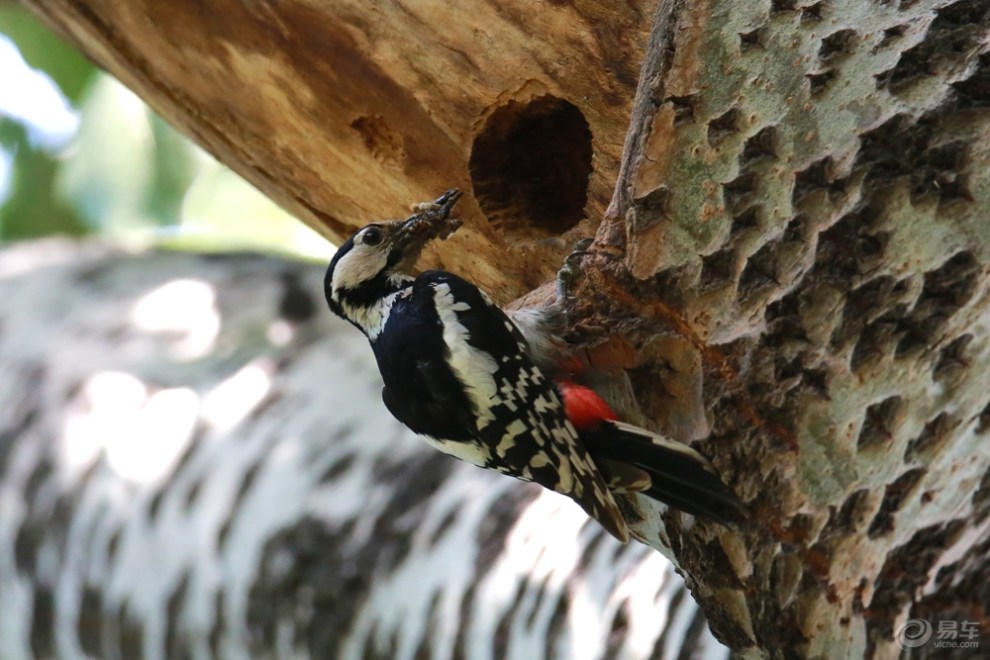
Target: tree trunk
{"points": [[796, 246], [345, 111], [801, 225], [216, 477]]}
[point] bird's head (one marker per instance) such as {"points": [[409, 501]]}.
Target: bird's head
{"points": [[376, 260]]}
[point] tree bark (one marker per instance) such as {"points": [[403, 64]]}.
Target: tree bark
{"points": [[795, 249], [800, 224]]}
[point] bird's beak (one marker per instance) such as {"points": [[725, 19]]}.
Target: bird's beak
{"points": [[431, 221]]}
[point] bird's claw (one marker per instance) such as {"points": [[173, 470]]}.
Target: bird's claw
{"points": [[571, 269]]}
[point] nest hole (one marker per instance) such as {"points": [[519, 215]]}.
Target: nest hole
{"points": [[530, 167]]}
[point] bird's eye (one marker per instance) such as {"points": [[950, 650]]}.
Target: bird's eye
{"points": [[372, 236]]}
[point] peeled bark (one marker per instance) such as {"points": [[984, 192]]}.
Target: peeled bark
{"points": [[795, 250], [345, 111]]}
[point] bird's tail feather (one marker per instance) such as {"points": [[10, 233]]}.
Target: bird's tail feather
{"points": [[679, 476]]}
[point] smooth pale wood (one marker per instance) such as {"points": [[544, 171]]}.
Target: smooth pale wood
{"points": [[345, 112]]}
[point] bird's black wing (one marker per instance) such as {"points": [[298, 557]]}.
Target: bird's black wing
{"points": [[421, 390], [519, 418]]}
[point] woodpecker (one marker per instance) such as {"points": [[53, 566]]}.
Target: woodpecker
{"points": [[458, 372]]}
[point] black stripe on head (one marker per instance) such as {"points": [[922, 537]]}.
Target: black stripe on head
{"points": [[369, 292], [328, 278], [394, 257]]}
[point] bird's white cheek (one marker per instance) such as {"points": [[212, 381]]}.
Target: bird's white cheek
{"points": [[360, 265]]}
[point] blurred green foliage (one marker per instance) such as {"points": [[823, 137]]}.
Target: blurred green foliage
{"points": [[126, 173]]}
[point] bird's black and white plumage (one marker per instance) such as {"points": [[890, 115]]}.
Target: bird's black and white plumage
{"points": [[458, 371], [455, 368]]}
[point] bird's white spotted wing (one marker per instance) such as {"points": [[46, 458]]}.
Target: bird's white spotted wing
{"points": [[521, 427]]}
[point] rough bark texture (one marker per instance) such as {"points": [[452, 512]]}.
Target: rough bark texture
{"points": [[796, 249], [801, 225], [195, 463]]}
